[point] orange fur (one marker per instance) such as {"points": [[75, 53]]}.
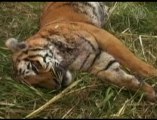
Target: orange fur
{"points": [[57, 16], [56, 11], [107, 42], [62, 19]]}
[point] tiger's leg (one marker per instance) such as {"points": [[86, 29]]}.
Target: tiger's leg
{"points": [[106, 68], [123, 55]]}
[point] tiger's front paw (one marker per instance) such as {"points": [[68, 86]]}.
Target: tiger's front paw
{"points": [[67, 80]]}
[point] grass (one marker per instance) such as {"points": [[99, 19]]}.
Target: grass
{"points": [[134, 23]]}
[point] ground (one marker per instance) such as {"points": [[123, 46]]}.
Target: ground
{"points": [[132, 22]]}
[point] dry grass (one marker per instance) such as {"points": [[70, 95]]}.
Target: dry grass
{"points": [[134, 23]]}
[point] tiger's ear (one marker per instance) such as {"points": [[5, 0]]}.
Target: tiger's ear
{"points": [[14, 46]]}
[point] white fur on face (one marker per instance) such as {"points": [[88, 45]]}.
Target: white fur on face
{"points": [[47, 58], [22, 69]]}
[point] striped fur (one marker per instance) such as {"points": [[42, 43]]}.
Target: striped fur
{"points": [[91, 12], [61, 55], [71, 39]]}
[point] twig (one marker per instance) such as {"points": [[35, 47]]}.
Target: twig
{"points": [[153, 56], [121, 110], [125, 30], [140, 38], [4, 48], [68, 112], [112, 9], [144, 36], [8, 104], [55, 98], [118, 93], [1, 117], [82, 88]]}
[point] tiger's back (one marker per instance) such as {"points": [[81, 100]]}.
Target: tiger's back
{"points": [[89, 12]]}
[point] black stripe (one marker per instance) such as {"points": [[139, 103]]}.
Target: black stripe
{"points": [[35, 49], [59, 72], [47, 65], [81, 8], [91, 44], [88, 4], [44, 57], [108, 65], [19, 71], [29, 50], [25, 52], [102, 14], [33, 56], [29, 66], [94, 9], [36, 63], [57, 81], [95, 12], [96, 57], [88, 42], [34, 69], [22, 72], [84, 61]]}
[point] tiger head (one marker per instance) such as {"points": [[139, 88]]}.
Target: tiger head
{"points": [[38, 66]]}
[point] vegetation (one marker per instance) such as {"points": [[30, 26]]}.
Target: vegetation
{"points": [[132, 22]]}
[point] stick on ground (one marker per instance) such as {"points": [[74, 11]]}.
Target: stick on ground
{"points": [[55, 98]]}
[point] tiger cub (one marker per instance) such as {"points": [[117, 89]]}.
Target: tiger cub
{"points": [[71, 38]]}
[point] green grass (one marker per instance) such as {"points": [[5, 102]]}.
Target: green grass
{"points": [[90, 98]]}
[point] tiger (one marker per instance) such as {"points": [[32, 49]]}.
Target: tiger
{"points": [[71, 38]]}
